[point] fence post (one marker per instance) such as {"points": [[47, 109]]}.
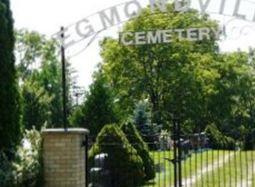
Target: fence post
{"points": [[64, 157], [86, 161], [175, 160], [178, 126]]}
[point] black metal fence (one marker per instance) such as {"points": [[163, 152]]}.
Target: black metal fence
{"points": [[194, 160]]}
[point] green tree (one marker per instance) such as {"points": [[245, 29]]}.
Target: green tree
{"points": [[142, 116], [29, 49], [177, 78], [142, 120], [49, 77], [189, 81], [233, 106], [36, 103], [10, 110], [38, 63], [98, 108]]}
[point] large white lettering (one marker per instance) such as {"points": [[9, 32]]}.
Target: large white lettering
{"points": [[112, 16], [113, 19], [204, 6], [160, 4], [236, 11], [133, 13], [87, 31], [182, 6], [124, 37], [166, 36], [153, 37], [222, 6]]}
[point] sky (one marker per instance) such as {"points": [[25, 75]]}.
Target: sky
{"points": [[47, 16]]}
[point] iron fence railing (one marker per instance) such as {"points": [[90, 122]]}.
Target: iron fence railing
{"points": [[199, 161]]}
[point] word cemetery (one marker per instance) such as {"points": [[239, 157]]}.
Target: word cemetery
{"points": [[167, 36], [120, 13]]}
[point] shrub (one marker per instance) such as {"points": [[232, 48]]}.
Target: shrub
{"points": [[141, 147], [26, 168], [98, 108], [123, 162]]}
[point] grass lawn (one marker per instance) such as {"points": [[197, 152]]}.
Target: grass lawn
{"points": [[237, 171], [209, 168]]}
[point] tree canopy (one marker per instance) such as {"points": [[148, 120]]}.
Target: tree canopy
{"points": [[189, 80], [39, 71], [98, 108]]}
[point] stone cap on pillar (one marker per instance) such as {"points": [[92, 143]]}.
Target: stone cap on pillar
{"points": [[64, 131]]}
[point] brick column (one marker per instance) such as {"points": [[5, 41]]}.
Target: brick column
{"points": [[64, 157]]}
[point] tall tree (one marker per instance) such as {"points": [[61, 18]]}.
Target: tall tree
{"points": [[39, 66], [10, 112], [142, 120], [171, 76], [188, 80], [36, 106], [98, 109]]}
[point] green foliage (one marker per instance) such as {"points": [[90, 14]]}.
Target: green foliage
{"points": [[36, 102], [187, 80], [249, 142], [10, 111], [165, 74], [6, 168], [218, 140], [124, 163], [50, 79], [141, 147], [142, 115], [142, 120], [26, 168], [98, 108], [39, 66], [29, 48]]}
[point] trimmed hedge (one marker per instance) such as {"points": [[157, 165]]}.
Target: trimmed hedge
{"points": [[136, 140], [123, 162]]}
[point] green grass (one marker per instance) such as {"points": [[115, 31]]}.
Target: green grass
{"points": [[231, 173]]}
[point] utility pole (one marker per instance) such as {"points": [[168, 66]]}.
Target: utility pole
{"points": [[63, 61]]}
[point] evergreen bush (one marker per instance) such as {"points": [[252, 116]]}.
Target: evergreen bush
{"points": [[123, 162], [141, 147]]}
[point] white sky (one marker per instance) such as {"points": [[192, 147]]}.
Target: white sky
{"points": [[46, 17]]}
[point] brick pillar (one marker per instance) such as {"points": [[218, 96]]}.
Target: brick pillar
{"points": [[64, 157]]}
